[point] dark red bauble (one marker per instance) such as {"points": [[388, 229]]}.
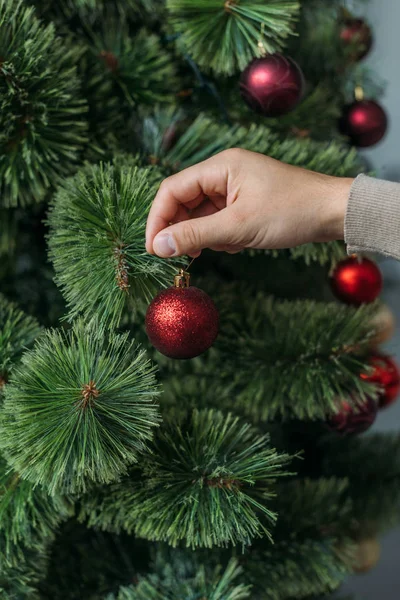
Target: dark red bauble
{"points": [[364, 122], [386, 374], [358, 35], [353, 420], [182, 322], [272, 85], [356, 280]]}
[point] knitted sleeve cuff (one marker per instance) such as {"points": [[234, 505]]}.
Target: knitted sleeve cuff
{"points": [[372, 222]]}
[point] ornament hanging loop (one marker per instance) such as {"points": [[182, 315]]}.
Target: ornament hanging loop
{"points": [[260, 44], [359, 93]]}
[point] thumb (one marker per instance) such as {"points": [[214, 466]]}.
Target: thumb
{"points": [[191, 236]]}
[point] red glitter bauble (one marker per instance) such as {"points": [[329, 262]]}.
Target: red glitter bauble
{"points": [[364, 122], [182, 322], [356, 280], [272, 85], [353, 420], [387, 375], [358, 35]]}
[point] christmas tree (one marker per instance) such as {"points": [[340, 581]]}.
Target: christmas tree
{"points": [[128, 475]]}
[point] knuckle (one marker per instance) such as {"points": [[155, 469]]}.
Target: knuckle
{"points": [[233, 154]]}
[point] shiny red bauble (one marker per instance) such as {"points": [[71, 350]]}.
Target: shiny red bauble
{"points": [[272, 85], [356, 280], [387, 375], [364, 122], [356, 34], [182, 322], [354, 420]]}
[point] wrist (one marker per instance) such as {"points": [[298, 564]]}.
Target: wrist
{"points": [[336, 200]]}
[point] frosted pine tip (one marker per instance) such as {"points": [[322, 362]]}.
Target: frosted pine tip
{"points": [[89, 393]]}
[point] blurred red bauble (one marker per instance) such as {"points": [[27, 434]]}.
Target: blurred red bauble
{"points": [[386, 374], [353, 420], [358, 35], [356, 280], [364, 122], [182, 321], [272, 85]]}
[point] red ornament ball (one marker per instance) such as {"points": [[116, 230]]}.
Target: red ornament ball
{"points": [[354, 420], [272, 85], [386, 374], [182, 322], [356, 34], [356, 280], [364, 122]]}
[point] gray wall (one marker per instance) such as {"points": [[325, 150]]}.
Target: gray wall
{"points": [[384, 15]]}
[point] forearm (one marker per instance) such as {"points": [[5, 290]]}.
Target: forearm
{"points": [[372, 222]]}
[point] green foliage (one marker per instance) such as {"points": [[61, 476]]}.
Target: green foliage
{"points": [[208, 482], [372, 466], [224, 36], [93, 400], [88, 564], [205, 137], [27, 514], [296, 569], [313, 508], [186, 579], [294, 359], [97, 230], [89, 9], [42, 116], [17, 332], [19, 582]]}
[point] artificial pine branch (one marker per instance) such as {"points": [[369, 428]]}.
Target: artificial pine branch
{"points": [[88, 564], [205, 137], [97, 234], [372, 466], [28, 515], [185, 578], [17, 332], [208, 482], [294, 359], [313, 508], [20, 582], [42, 115], [93, 399], [296, 569], [223, 35], [125, 69], [91, 9]]}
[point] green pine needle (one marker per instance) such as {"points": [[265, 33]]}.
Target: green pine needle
{"points": [[224, 35], [20, 581], [189, 581], [97, 234], [27, 514], [294, 359], [297, 569], [17, 332], [92, 398], [42, 115], [208, 482]]}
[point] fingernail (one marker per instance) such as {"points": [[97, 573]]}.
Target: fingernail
{"points": [[164, 245]]}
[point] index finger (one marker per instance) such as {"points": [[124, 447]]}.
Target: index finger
{"points": [[187, 188]]}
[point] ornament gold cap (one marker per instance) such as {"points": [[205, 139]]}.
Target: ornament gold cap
{"points": [[182, 280], [359, 93]]}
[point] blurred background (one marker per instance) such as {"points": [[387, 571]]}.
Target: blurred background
{"points": [[383, 582]]}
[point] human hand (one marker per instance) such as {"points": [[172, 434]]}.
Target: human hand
{"points": [[240, 199]]}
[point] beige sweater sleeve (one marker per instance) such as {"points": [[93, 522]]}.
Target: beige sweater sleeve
{"points": [[372, 221]]}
